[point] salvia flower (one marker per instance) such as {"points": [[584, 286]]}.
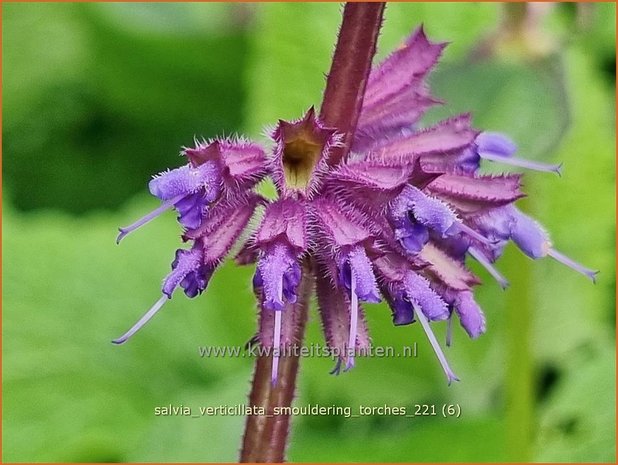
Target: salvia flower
{"points": [[397, 219]]}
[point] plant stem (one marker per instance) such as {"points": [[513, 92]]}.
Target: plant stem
{"points": [[519, 393], [266, 435], [347, 79]]}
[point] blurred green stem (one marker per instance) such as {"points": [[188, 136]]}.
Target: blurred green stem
{"points": [[519, 395]]}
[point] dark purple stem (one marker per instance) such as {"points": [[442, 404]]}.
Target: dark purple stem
{"points": [[266, 435], [347, 79]]}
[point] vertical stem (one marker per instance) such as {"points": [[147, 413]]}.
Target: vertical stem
{"points": [[347, 79], [519, 395], [266, 435]]}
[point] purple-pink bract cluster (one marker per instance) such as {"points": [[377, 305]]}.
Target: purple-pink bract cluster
{"points": [[395, 220]]}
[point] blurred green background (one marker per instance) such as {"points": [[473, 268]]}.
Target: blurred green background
{"points": [[97, 97]]}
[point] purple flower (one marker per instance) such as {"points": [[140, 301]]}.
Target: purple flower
{"points": [[217, 170], [396, 219]]}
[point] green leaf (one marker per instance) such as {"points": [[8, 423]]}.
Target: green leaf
{"points": [[578, 424], [107, 100], [579, 211], [527, 101], [68, 393], [574, 322]]}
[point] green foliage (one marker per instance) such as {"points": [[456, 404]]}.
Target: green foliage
{"points": [[92, 85], [93, 106], [578, 422], [69, 394]]}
